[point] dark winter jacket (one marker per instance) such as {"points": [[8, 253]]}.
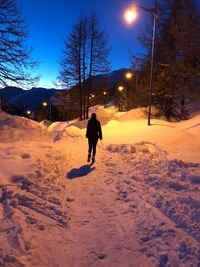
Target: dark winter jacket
{"points": [[94, 129]]}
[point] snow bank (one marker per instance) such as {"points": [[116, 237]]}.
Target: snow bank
{"points": [[133, 114], [130, 127], [103, 115], [10, 121], [180, 139], [191, 125], [60, 125], [15, 128], [45, 123], [69, 133]]}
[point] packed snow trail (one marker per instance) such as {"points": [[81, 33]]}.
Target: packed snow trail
{"points": [[103, 231], [114, 220], [126, 210], [136, 206]]}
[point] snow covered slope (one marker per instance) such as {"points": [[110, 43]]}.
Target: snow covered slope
{"points": [[138, 205], [15, 128]]}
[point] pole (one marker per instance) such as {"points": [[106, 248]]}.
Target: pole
{"points": [[126, 99], [50, 111], [136, 81], [152, 62], [136, 88]]}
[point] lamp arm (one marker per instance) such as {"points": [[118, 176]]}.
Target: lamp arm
{"points": [[150, 10], [153, 10]]}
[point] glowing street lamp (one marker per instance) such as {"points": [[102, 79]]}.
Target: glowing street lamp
{"points": [[106, 95], [130, 16], [91, 98], [45, 104], [129, 75], [123, 89], [120, 88], [29, 113]]}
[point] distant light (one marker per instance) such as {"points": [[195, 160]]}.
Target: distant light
{"points": [[120, 88], [58, 83], [44, 104], [92, 96], [28, 112], [104, 93], [130, 15], [129, 75]]}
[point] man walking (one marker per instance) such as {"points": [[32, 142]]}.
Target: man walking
{"points": [[93, 133]]}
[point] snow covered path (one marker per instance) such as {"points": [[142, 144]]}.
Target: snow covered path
{"points": [[133, 207], [117, 220], [138, 205], [102, 229]]}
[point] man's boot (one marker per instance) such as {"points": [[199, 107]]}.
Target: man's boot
{"points": [[88, 159], [93, 159]]}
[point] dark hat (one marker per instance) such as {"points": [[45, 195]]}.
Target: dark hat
{"points": [[94, 116]]}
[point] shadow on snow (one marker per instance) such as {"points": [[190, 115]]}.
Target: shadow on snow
{"points": [[82, 171]]}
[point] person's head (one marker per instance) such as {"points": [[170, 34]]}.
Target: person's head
{"points": [[94, 116]]}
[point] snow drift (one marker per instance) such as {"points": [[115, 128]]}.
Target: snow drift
{"points": [[137, 206]]}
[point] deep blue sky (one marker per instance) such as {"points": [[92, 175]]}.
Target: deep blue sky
{"points": [[50, 21]]}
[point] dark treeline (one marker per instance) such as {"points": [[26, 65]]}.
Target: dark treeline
{"points": [[176, 72], [177, 58]]}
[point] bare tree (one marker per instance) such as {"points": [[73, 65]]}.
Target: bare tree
{"points": [[84, 68], [85, 54], [72, 61], [15, 62], [98, 52]]}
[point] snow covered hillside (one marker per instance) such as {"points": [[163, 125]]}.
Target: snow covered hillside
{"points": [[138, 205]]}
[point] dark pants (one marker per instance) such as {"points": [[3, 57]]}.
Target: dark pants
{"points": [[92, 146]]}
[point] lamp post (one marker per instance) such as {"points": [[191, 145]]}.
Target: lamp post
{"points": [[105, 95], [29, 114], [123, 89], [45, 104], [129, 78], [130, 16], [50, 109]]}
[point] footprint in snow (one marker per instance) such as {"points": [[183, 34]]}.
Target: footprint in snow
{"points": [[102, 256], [25, 156]]}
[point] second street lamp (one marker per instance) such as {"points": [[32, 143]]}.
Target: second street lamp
{"points": [[130, 18], [45, 104], [105, 95], [123, 98], [129, 75]]}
